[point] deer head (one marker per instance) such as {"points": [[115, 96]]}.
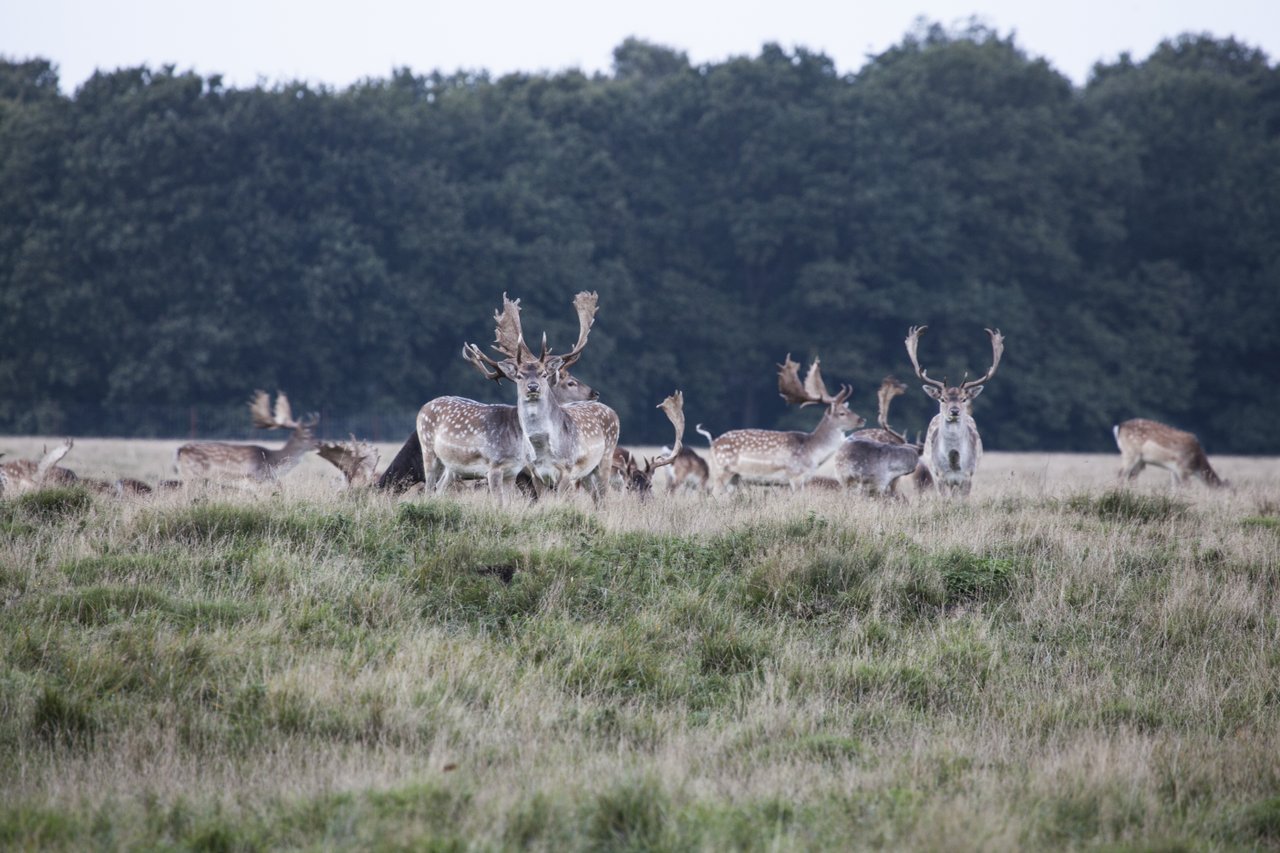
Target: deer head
{"points": [[954, 401], [532, 376]]}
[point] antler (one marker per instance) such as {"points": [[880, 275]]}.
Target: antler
{"points": [[790, 387], [508, 336], [263, 418], [913, 339], [52, 458], [997, 350], [585, 304], [488, 367], [357, 460], [890, 387], [674, 408]]}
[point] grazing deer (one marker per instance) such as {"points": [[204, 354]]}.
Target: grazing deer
{"points": [[357, 460], [952, 446], [874, 466], [792, 457], [223, 460], [558, 443], [23, 475], [1143, 442], [639, 478], [405, 470]]}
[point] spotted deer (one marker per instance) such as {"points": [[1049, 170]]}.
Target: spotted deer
{"points": [[211, 460], [557, 443], [1143, 442], [405, 470], [24, 475], [791, 457], [952, 446]]}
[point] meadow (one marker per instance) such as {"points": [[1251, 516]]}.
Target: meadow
{"points": [[1054, 663]]}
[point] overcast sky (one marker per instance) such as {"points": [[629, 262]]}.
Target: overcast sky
{"points": [[338, 43]]}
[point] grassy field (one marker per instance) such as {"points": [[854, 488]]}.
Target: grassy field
{"points": [[1051, 664]]}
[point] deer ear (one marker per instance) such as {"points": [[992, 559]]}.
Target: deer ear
{"points": [[554, 367], [975, 391], [932, 391]]}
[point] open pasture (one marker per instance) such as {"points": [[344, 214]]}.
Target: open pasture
{"points": [[1052, 663]]}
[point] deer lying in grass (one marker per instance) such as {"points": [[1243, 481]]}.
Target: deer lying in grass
{"points": [[223, 460], [638, 478], [1143, 442], [791, 457], [952, 447], [557, 443], [24, 475]]}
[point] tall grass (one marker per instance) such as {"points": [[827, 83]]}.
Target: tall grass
{"points": [[302, 668]]}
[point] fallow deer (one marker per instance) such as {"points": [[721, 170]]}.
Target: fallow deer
{"points": [[1143, 442], [405, 470], [357, 460], [874, 466], [558, 443], [224, 460], [688, 470], [952, 446], [24, 475], [638, 478], [791, 457]]}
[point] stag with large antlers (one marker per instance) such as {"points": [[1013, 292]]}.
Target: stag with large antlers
{"points": [[791, 457], [224, 460], [952, 446], [1143, 442], [557, 442], [405, 470]]}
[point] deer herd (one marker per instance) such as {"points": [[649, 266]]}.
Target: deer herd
{"points": [[558, 436]]}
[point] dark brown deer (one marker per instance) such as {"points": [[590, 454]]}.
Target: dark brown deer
{"points": [[224, 460], [952, 446], [790, 457], [1143, 442]]}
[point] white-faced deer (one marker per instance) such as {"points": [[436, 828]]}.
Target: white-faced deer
{"points": [[791, 457], [405, 470], [357, 460], [638, 478], [1143, 442], [24, 475], [222, 460], [952, 446], [558, 443]]}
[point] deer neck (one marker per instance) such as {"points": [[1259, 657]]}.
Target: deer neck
{"points": [[544, 423], [291, 454], [825, 440]]}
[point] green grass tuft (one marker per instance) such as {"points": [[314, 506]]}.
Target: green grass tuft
{"points": [[1125, 506]]}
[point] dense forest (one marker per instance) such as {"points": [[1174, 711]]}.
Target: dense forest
{"points": [[168, 244]]}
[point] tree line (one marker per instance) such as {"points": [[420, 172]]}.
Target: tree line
{"points": [[166, 240]]}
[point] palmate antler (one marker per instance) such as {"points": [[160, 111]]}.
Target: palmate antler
{"points": [[281, 418], [810, 392], [509, 339], [673, 406], [357, 460], [51, 458], [997, 350], [585, 305]]}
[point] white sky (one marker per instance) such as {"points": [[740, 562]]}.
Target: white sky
{"points": [[338, 43]]}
